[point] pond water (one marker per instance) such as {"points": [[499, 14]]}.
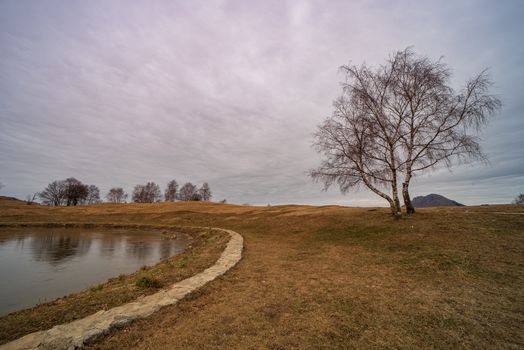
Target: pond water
{"points": [[41, 264]]}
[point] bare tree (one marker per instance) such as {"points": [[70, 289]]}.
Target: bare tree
{"points": [[519, 199], [205, 192], [30, 198], [147, 193], [75, 191], [352, 158], [1, 185], [116, 195], [189, 192], [439, 125], [93, 194], [397, 120], [54, 193], [170, 194]]}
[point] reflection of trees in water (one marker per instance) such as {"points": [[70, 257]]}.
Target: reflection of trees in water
{"points": [[138, 249], [19, 240], [57, 248], [108, 247], [166, 248]]}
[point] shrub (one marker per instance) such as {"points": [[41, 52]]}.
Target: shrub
{"points": [[148, 282]]}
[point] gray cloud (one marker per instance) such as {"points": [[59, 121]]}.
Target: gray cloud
{"points": [[229, 92]]}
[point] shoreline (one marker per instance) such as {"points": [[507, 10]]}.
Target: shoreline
{"points": [[199, 254], [82, 331]]}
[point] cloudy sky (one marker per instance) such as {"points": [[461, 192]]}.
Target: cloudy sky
{"points": [[230, 92]]}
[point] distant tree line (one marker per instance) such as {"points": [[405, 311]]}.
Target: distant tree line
{"points": [[69, 192], [72, 192]]}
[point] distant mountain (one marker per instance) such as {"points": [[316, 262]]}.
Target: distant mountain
{"points": [[434, 200]]}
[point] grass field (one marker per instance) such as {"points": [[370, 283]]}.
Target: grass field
{"points": [[331, 277]]}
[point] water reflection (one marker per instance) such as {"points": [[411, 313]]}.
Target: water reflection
{"points": [[56, 249], [166, 249], [42, 264], [138, 249], [108, 247]]}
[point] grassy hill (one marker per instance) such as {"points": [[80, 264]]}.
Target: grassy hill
{"points": [[10, 201], [334, 277]]}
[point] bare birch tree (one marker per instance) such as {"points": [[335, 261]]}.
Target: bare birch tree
{"points": [[351, 156], [205, 192], [54, 193], [439, 125], [116, 195], [30, 198], [171, 192], [93, 194], [75, 191], [397, 120], [189, 192], [147, 193]]}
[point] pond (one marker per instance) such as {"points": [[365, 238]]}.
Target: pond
{"points": [[41, 264]]}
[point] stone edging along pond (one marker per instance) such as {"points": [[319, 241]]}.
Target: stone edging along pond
{"points": [[77, 333]]}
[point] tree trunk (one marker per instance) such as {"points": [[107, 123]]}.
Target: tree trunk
{"points": [[397, 213], [410, 209], [394, 204]]}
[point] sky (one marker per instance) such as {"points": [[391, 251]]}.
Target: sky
{"points": [[117, 93]]}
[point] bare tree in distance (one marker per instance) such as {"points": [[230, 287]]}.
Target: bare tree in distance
{"points": [[93, 194], [75, 192], [189, 192], [54, 193], [519, 199], [30, 198], [1, 185], [400, 119], [205, 192], [116, 195], [147, 193], [170, 194]]}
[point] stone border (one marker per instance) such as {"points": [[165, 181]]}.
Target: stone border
{"points": [[77, 333]]}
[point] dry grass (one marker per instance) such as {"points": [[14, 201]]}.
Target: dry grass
{"points": [[333, 277], [206, 247]]}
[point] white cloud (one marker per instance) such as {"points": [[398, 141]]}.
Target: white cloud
{"points": [[117, 93]]}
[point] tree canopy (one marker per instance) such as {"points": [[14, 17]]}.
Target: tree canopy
{"points": [[397, 120]]}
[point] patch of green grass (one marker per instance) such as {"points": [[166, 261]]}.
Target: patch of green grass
{"points": [[182, 262], [96, 288], [148, 282]]}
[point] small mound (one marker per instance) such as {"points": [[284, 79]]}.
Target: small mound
{"points": [[434, 200]]}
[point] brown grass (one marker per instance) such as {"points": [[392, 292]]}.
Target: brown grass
{"points": [[205, 248], [334, 277]]}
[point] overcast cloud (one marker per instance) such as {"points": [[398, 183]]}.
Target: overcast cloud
{"points": [[117, 93]]}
